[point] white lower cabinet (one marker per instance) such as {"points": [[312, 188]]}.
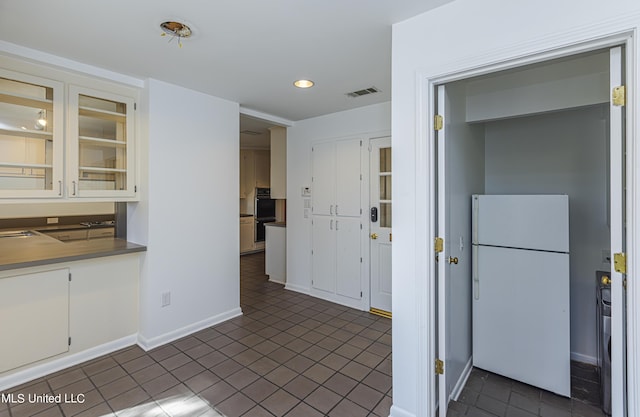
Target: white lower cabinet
{"points": [[47, 314], [247, 234], [34, 317], [336, 264]]}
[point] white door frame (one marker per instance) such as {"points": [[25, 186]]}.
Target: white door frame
{"points": [[426, 200]]}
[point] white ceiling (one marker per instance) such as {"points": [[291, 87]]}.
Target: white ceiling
{"points": [[247, 51]]}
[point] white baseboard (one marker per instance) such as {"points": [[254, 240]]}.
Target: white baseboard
{"points": [[37, 371], [462, 381], [150, 343], [297, 288], [579, 357], [277, 280], [399, 412]]}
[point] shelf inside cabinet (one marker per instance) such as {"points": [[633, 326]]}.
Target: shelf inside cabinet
{"points": [[27, 101], [102, 114], [95, 169], [35, 134], [101, 141]]}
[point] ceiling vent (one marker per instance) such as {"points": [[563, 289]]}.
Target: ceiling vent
{"points": [[250, 133], [364, 92]]}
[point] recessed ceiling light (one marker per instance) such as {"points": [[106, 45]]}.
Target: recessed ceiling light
{"points": [[303, 83]]}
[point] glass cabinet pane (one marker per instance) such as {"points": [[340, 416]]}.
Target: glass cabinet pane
{"points": [[102, 141], [385, 187], [26, 136], [385, 214]]}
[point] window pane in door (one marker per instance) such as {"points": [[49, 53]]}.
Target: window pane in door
{"points": [[385, 214], [385, 159], [385, 187]]}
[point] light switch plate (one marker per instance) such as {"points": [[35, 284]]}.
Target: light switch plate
{"points": [[306, 191]]}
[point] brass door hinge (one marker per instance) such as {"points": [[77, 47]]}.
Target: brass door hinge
{"points": [[620, 262], [439, 367], [439, 245], [618, 96], [438, 122]]}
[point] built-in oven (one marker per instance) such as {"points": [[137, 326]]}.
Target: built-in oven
{"points": [[265, 211]]}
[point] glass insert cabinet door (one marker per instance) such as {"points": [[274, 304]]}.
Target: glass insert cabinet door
{"points": [[101, 146], [31, 136]]}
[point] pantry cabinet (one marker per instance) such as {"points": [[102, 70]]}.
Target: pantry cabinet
{"points": [[336, 221]]}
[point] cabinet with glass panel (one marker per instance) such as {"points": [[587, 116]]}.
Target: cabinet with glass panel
{"points": [[101, 146], [31, 136]]}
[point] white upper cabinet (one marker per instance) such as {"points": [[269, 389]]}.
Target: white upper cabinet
{"points": [[31, 136], [336, 178], [263, 163], [101, 144]]}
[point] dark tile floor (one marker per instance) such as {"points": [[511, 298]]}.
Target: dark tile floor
{"points": [[489, 395], [288, 355]]}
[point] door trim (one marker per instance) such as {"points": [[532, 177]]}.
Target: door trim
{"points": [[425, 198]]}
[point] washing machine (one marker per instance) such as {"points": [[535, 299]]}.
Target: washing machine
{"points": [[604, 343]]}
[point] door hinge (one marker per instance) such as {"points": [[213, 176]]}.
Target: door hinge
{"points": [[439, 367], [135, 106], [438, 245], [69, 276], [360, 177], [360, 260], [360, 294], [438, 122], [620, 262], [135, 188], [69, 341], [361, 144], [618, 96]]}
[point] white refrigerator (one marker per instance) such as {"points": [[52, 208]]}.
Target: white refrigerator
{"points": [[521, 288]]}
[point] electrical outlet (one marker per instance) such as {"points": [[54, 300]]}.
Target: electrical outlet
{"points": [[52, 220], [166, 299]]}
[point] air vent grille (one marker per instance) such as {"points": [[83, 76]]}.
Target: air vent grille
{"points": [[363, 92], [250, 133]]}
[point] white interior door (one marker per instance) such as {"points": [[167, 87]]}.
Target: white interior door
{"points": [[380, 225], [617, 186], [442, 266]]}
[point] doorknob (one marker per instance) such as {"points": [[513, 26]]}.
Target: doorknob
{"points": [[374, 236], [453, 260], [606, 280]]}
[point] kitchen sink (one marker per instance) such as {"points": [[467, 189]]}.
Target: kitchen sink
{"points": [[18, 233]]}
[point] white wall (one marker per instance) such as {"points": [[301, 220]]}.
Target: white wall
{"points": [[191, 213], [472, 34], [367, 122], [562, 153]]}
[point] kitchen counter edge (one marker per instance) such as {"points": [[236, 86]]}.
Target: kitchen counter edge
{"points": [[67, 252]]}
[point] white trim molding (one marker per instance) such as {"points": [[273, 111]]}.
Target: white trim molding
{"points": [[588, 38], [148, 344]]}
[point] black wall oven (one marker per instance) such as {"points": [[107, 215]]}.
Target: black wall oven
{"points": [[265, 211]]}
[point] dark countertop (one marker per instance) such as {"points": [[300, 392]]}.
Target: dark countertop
{"points": [[23, 252], [276, 224]]}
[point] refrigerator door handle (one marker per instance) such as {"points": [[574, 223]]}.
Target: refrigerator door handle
{"points": [[476, 278], [475, 211]]}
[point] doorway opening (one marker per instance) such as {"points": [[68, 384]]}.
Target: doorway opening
{"points": [[548, 128]]}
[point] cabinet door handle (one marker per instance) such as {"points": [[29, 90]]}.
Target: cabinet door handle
{"points": [[331, 225], [336, 210], [74, 187], [59, 187], [336, 221], [331, 209]]}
